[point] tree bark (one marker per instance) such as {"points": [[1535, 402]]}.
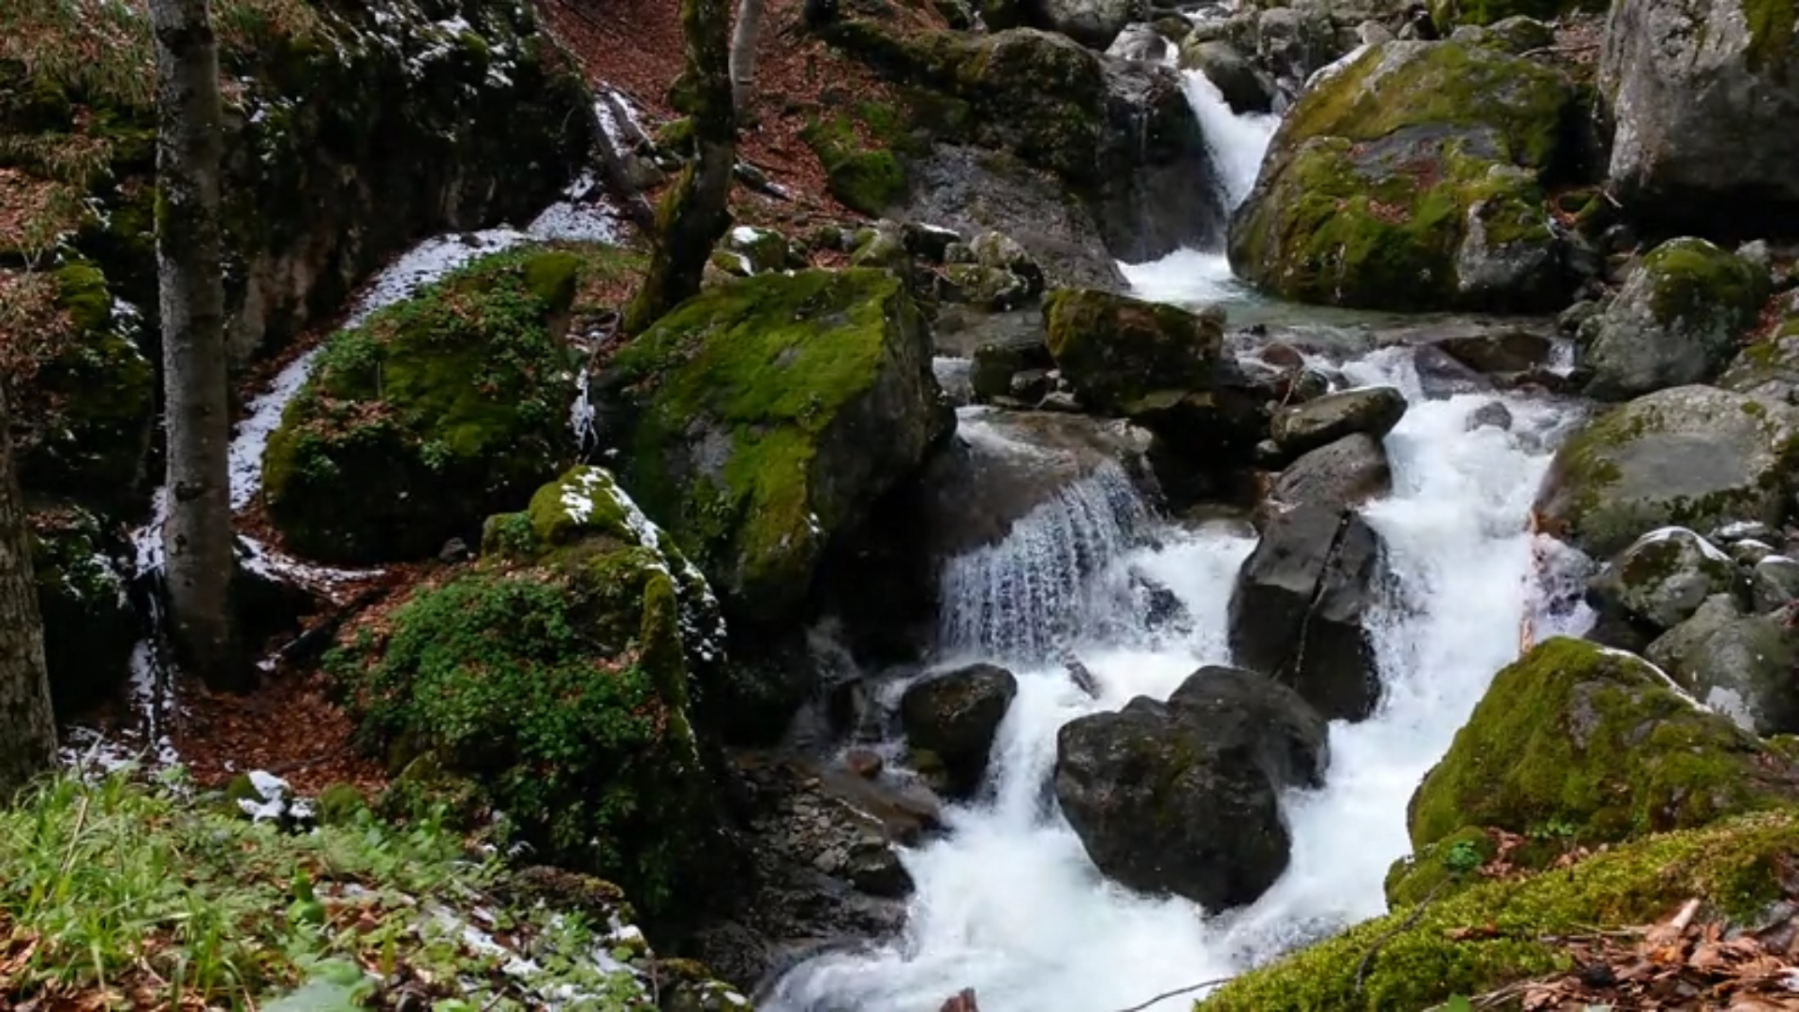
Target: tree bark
{"points": [[27, 727], [694, 213], [743, 53], [197, 544]]}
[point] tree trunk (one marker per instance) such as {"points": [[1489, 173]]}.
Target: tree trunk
{"points": [[27, 728], [197, 543], [743, 53], [694, 213]]}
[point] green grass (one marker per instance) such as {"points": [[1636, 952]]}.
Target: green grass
{"points": [[134, 895]]}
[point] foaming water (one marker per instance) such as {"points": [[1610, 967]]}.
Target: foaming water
{"points": [[1008, 902]]}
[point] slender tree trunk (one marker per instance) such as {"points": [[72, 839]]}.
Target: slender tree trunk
{"points": [[27, 728], [743, 53], [197, 544], [694, 213]]}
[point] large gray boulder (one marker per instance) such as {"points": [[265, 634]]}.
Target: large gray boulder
{"points": [[955, 715], [1739, 665], [1688, 456], [1347, 472], [1663, 578], [1676, 320], [1184, 797], [1704, 99], [1298, 608]]}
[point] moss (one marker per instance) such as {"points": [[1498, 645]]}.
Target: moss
{"points": [[867, 181], [339, 805], [1698, 283], [739, 392], [1597, 740], [1115, 350], [437, 410], [1439, 868], [1425, 956]]}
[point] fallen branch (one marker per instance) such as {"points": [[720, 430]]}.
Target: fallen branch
{"points": [[1562, 49], [1361, 969], [1176, 993]]}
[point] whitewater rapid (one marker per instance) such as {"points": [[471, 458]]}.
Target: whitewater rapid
{"points": [[1007, 903]]}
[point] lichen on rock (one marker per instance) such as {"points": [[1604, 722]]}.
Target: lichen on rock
{"points": [[435, 412]]}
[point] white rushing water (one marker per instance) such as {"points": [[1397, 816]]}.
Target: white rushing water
{"points": [[1007, 903]]}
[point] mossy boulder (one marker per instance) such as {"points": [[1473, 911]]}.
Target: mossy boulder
{"points": [[1688, 456], [555, 677], [80, 560], [82, 396], [1421, 957], [867, 180], [764, 417], [1599, 741], [1663, 578], [1411, 179], [1115, 351], [1677, 320], [435, 412]]}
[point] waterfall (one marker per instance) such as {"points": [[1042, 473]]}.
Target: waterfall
{"points": [[1021, 600]]}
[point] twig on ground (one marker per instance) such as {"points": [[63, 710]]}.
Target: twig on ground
{"points": [[1177, 992], [1361, 969]]}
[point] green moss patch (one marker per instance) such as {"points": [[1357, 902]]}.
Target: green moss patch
{"points": [[1496, 933], [1596, 740], [437, 411], [863, 179]]}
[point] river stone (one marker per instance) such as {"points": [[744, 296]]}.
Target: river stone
{"points": [[1503, 351], [1442, 375], [1373, 411], [1775, 582], [995, 362], [1184, 797], [1677, 319], [1299, 603], [1688, 456], [955, 716], [1664, 577], [1347, 472], [1703, 95], [1115, 351], [1493, 414], [1245, 88]]}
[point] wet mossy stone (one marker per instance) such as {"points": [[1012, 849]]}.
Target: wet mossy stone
{"points": [[436, 412], [1420, 958], [1690, 456], [1599, 741], [554, 677], [1411, 179], [79, 561], [1680, 316], [761, 418], [1115, 351]]}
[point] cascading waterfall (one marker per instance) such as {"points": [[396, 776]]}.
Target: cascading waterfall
{"points": [[1007, 903]]}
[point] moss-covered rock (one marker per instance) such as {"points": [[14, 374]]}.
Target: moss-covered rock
{"points": [[1678, 319], [864, 179], [79, 560], [1114, 350], [1599, 741], [763, 417], [1423, 959], [1439, 868], [1687, 456], [555, 676], [1411, 179], [437, 411]]}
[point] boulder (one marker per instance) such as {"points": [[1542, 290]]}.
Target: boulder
{"points": [[554, 678], [1682, 82], [995, 362], [1116, 351], [1347, 472], [1092, 23], [430, 415], [1244, 87], [1767, 368], [1687, 456], [954, 716], [1411, 179], [1499, 351], [1663, 577], [763, 417], [1740, 666], [1184, 797], [1442, 375], [1598, 743], [1299, 603], [1677, 320], [1371, 411]]}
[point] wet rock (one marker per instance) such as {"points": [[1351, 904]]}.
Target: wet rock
{"points": [[956, 715], [1245, 88], [1373, 411], [1115, 351], [1775, 582], [1442, 375], [1347, 472], [1664, 577], [1299, 603], [1493, 414], [1294, 42], [1689, 456], [1139, 42], [1499, 351], [996, 362], [1677, 320], [1183, 797]]}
